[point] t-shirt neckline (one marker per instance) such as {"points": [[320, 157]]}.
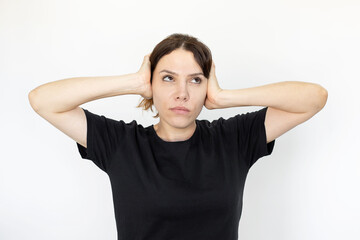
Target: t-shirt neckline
{"points": [[176, 142]]}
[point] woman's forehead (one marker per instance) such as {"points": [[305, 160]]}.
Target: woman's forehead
{"points": [[178, 66]]}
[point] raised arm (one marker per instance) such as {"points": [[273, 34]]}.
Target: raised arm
{"points": [[58, 101]]}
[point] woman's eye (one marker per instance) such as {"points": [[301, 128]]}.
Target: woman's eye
{"points": [[166, 77], [198, 80]]}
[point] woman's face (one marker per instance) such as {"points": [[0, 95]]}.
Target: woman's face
{"points": [[173, 86]]}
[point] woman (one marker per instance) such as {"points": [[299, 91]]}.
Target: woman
{"points": [[182, 178]]}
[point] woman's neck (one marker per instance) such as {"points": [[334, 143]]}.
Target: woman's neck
{"points": [[172, 134]]}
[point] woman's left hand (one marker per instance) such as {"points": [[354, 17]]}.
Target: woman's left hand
{"points": [[213, 89]]}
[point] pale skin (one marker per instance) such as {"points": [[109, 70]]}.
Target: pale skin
{"points": [[170, 90], [290, 103]]}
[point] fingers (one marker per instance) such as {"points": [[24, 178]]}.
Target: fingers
{"points": [[212, 70]]}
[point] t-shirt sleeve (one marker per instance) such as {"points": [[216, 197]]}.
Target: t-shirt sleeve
{"points": [[102, 140], [247, 132], [252, 136]]}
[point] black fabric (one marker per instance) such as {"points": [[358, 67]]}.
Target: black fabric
{"points": [[183, 190]]}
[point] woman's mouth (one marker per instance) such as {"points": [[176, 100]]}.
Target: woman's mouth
{"points": [[180, 110]]}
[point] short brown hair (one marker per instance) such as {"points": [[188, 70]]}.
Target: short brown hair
{"points": [[202, 55]]}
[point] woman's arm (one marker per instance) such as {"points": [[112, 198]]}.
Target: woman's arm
{"points": [[66, 94], [289, 96], [58, 102], [289, 103]]}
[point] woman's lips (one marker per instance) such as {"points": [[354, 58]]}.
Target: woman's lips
{"points": [[179, 111]]}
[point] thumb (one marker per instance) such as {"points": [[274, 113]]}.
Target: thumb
{"points": [[147, 56], [146, 59]]}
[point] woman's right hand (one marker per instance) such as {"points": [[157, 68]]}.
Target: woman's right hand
{"points": [[145, 75]]}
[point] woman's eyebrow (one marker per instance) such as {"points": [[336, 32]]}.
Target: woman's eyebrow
{"points": [[193, 74]]}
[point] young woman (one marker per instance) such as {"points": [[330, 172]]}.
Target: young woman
{"points": [[182, 178]]}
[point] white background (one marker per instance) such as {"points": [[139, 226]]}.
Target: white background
{"points": [[308, 188]]}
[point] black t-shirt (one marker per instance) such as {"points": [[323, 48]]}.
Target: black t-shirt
{"points": [[182, 190]]}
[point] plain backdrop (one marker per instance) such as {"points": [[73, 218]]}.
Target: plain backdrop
{"points": [[308, 188]]}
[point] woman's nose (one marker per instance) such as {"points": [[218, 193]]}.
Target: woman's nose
{"points": [[182, 92]]}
